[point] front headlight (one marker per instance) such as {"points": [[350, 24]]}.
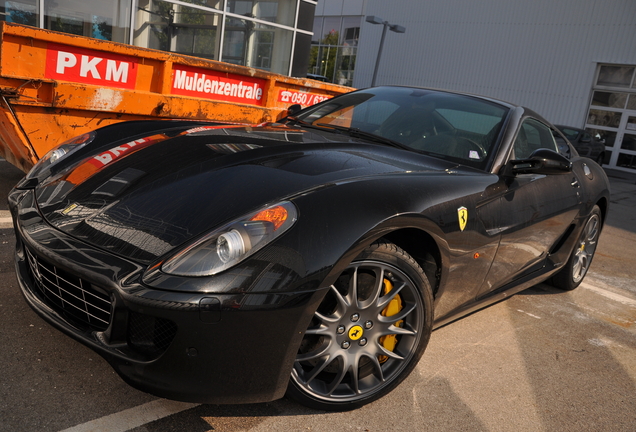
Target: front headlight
{"points": [[60, 152], [233, 242]]}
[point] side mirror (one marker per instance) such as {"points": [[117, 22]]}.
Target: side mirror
{"points": [[293, 109], [542, 161]]}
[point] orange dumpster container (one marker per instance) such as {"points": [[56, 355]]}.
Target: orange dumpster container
{"points": [[54, 86]]}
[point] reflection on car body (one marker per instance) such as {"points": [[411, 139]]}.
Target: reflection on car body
{"points": [[586, 144], [310, 257]]}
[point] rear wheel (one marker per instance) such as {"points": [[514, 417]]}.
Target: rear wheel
{"points": [[367, 334], [571, 276]]}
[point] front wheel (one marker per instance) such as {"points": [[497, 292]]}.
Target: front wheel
{"points": [[571, 276], [367, 334]]}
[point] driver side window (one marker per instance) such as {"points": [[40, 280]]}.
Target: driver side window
{"points": [[532, 136]]}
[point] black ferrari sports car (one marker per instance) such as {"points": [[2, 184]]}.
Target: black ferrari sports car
{"points": [[310, 257]]}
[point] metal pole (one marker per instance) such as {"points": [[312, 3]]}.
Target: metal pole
{"points": [[377, 60]]}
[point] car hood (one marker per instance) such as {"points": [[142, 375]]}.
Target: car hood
{"points": [[143, 198]]}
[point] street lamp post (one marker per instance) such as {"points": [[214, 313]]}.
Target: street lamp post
{"points": [[394, 28]]}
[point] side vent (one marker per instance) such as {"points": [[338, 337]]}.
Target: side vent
{"points": [[561, 241]]}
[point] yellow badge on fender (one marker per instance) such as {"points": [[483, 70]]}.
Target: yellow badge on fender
{"points": [[462, 216], [355, 332]]}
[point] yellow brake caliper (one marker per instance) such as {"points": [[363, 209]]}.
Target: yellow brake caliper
{"points": [[395, 306]]}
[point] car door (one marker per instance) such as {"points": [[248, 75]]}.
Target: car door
{"points": [[535, 211]]}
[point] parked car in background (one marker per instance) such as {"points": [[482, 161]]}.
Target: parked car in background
{"points": [[585, 143], [318, 77]]}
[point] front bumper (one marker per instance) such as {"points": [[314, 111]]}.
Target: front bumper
{"points": [[210, 347]]}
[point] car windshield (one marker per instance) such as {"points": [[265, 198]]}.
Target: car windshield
{"points": [[446, 125]]}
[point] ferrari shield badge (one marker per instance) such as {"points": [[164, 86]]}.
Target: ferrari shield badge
{"points": [[462, 216]]}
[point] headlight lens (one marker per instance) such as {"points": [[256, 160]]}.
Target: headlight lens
{"points": [[60, 152], [233, 242]]}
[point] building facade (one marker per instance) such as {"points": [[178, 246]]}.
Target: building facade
{"points": [[334, 45], [273, 35], [573, 61]]}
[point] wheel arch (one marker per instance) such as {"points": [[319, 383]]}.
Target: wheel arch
{"points": [[603, 204], [423, 248], [417, 235]]}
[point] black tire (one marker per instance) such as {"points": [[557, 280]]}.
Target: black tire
{"points": [[572, 274], [342, 364]]}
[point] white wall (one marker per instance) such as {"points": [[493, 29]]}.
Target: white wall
{"points": [[541, 54]]}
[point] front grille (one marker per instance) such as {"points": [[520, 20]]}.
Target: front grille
{"points": [[75, 299]]}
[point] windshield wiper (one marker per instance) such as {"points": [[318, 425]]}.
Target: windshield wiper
{"points": [[359, 133], [293, 120]]}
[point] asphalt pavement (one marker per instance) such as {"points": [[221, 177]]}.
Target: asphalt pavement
{"points": [[543, 360]]}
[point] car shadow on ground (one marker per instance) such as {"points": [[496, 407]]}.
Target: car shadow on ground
{"points": [[419, 396]]}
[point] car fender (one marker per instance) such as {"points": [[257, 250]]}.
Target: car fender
{"points": [[398, 204]]}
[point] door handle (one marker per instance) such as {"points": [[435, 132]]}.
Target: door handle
{"points": [[575, 182]]}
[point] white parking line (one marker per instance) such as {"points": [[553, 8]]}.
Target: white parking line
{"points": [[5, 219], [161, 408], [610, 295], [133, 417]]}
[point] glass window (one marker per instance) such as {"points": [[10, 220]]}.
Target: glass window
{"points": [[264, 49], [92, 18], [20, 12], [344, 66], [350, 31], [606, 137], [194, 32], [440, 124], [631, 104], [604, 118], [305, 16], [468, 121], [257, 45], [330, 34], [322, 60], [317, 30], [570, 134], [153, 29], [564, 148], [615, 76], [276, 11], [214, 4], [629, 142], [177, 28], [626, 160], [533, 135], [608, 99]]}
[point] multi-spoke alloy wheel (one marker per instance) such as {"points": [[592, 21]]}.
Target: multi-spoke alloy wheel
{"points": [[367, 334], [579, 262]]}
